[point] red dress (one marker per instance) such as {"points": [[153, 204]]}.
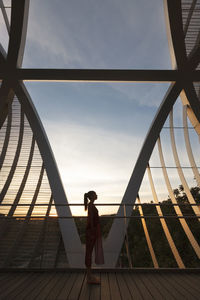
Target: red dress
{"points": [[93, 237]]}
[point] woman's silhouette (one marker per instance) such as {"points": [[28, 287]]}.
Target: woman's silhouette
{"points": [[93, 236]]}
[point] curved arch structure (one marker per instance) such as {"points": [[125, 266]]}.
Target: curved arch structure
{"points": [[38, 161], [9, 88], [182, 61]]}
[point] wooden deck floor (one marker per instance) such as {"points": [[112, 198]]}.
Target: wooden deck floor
{"points": [[114, 285]]}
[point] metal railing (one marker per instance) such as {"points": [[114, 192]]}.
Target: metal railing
{"points": [[35, 241]]}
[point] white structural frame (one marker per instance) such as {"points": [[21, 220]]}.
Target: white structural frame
{"points": [[14, 57], [182, 76]]}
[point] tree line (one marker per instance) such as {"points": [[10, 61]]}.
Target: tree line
{"points": [[136, 240]]}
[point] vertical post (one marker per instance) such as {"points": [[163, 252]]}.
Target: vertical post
{"points": [[126, 238]]}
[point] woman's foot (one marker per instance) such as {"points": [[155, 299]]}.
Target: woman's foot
{"points": [[93, 280]]}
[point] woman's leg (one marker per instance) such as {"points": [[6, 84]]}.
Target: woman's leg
{"points": [[89, 273], [88, 260], [88, 254]]}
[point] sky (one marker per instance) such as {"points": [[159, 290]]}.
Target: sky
{"points": [[96, 130]]}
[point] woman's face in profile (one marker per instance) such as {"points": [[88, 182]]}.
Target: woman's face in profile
{"points": [[94, 196]]}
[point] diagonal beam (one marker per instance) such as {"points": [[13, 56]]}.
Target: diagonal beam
{"points": [[175, 34], [7, 137], [115, 239], [116, 235], [192, 99], [176, 37], [191, 62], [18, 28], [189, 148], [2, 58], [192, 7], [177, 209], [194, 58], [5, 16], [6, 98], [68, 229]]}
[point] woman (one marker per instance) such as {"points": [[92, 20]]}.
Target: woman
{"points": [[93, 236]]}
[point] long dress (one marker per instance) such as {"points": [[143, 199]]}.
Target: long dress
{"points": [[93, 237]]}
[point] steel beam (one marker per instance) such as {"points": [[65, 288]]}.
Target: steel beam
{"points": [[189, 147], [178, 166], [13, 59], [192, 7], [115, 238], [183, 63], [102, 75], [18, 29], [164, 223], [177, 209], [5, 16], [69, 232], [175, 33]]}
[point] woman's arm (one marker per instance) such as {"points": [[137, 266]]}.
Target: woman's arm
{"points": [[91, 218]]}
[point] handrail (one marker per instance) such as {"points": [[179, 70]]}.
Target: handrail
{"points": [[104, 204], [103, 216]]}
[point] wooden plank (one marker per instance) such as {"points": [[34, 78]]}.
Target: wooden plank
{"points": [[177, 281], [76, 288], [166, 285], [95, 290], [141, 286], [194, 277], [175, 285], [29, 277], [124, 291], [67, 287], [153, 290], [44, 279], [58, 286], [85, 290], [49, 286], [133, 288], [11, 280], [114, 288], [4, 277], [105, 289], [162, 289], [187, 281], [11, 287], [176, 293], [25, 294]]}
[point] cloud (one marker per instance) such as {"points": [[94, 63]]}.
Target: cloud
{"points": [[91, 158], [114, 34], [96, 34], [94, 148], [99, 105], [142, 94]]}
